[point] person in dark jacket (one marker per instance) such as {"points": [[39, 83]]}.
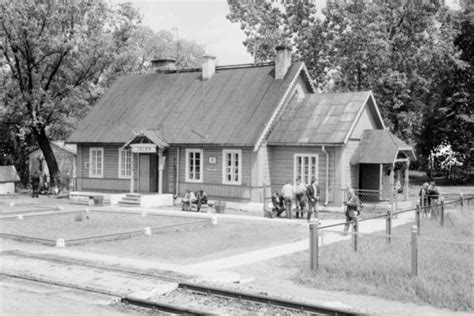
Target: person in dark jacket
{"points": [[353, 207], [35, 184], [201, 198], [277, 202], [313, 193]]}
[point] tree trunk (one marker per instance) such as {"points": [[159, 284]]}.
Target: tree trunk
{"points": [[45, 146]]}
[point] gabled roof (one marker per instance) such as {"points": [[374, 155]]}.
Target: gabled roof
{"points": [[380, 147], [326, 118], [153, 136], [59, 144], [230, 108], [8, 174]]}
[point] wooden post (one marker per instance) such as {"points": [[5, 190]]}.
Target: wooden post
{"points": [[313, 245], [264, 197], [423, 210], [417, 216], [414, 251], [462, 201], [442, 212], [161, 168], [132, 173], [388, 225], [405, 191], [356, 231], [392, 184]]}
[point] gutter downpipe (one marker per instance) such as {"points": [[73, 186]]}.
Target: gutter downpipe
{"points": [[177, 173], [323, 148]]}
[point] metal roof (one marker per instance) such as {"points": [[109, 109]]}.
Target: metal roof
{"points": [[325, 118], [230, 108], [380, 147]]}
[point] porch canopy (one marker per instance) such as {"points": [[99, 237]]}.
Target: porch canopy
{"points": [[149, 136], [379, 146]]}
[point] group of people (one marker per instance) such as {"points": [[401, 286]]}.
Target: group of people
{"points": [[199, 198], [429, 195], [302, 195]]}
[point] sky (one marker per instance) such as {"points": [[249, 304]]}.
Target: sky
{"points": [[202, 21]]}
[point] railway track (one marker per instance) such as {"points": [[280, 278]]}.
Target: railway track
{"points": [[187, 298]]}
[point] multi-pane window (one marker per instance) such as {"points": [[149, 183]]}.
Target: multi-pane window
{"points": [[306, 167], [125, 163], [194, 163], [232, 166], [96, 162]]}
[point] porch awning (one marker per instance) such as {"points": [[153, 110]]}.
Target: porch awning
{"points": [[147, 136], [381, 147]]}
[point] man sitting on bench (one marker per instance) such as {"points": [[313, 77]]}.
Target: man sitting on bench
{"points": [[201, 198]]}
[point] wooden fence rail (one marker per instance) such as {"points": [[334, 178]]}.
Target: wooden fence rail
{"points": [[314, 228]]}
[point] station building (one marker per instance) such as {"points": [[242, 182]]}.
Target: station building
{"points": [[237, 132]]}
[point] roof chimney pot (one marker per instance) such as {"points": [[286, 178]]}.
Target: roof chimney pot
{"points": [[208, 66], [282, 61]]}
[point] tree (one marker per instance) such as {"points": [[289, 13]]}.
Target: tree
{"points": [[57, 53], [401, 50]]}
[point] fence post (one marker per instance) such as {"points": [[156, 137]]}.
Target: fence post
{"points": [[388, 224], [414, 251], [314, 245], [417, 216], [356, 232], [442, 211], [462, 201]]}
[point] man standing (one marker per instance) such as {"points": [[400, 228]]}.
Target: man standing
{"points": [[300, 192], [313, 193], [288, 192], [353, 207]]}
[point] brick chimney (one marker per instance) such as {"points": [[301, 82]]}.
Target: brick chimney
{"points": [[163, 64], [282, 61], [208, 66]]}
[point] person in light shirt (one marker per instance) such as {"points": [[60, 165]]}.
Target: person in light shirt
{"points": [[288, 192], [188, 199], [300, 197]]}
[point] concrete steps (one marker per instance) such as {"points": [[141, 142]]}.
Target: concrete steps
{"points": [[131, 199]]}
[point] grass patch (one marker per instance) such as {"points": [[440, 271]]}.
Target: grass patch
{"points": [[69, 226], [229, 237], [444, 269]]}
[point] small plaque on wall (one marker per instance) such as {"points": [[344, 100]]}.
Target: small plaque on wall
{"points": [[86, 165], [212, 160]]}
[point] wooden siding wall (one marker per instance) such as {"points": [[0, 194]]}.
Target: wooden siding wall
{"points": [[350, 172], [212, 173], [110, 180], [366, 121], [281, 161]]}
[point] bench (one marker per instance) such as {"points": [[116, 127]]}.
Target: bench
{"points": [[209, 206]]}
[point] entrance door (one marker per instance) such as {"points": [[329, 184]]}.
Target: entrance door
{"points": [[369, 182], [144, 176]]}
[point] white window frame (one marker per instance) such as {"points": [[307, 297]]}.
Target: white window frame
{"points": [[120, 169], [93, 165], [201, 165], [296, 172], [232, 171]]}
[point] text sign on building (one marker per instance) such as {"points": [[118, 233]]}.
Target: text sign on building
{"points": [[143, 148]]}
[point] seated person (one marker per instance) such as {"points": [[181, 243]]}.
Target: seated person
{"points": [[277, 202], [188, 199], [201, 198]]}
